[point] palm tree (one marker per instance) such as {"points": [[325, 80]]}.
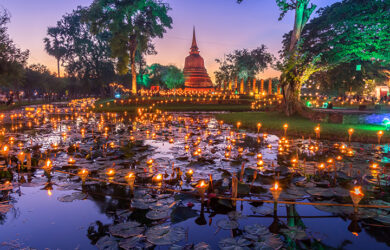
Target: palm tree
{"points": [[54, 45]]}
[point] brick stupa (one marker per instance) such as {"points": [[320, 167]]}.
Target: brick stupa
{"points": [[195, 74]]}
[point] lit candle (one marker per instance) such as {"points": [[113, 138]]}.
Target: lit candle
{"points": [[83, 173], [110, 172], [275, 191], [380, 134], [258, 127], [356, 196], [71, 161], [285, 127], [189, 173], [350, 132]]}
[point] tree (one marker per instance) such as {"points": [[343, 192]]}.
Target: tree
{"points": [[347, 34], [12, 59], [173, 77], [38, 78], [132, 23], [85, 56], [243, 64], [165, 76], [54, 45], [296, 66]]}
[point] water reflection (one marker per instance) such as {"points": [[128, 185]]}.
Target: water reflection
{"points": [[46, 201]]}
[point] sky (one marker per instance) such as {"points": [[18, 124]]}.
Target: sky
{"points": [[222, 26]]}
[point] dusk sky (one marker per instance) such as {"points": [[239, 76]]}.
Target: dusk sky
{"points": [[221, 26]]}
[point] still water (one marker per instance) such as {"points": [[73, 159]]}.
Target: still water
{"points": [[54, 210]]}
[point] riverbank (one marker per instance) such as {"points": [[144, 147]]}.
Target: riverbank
{"points": [[272, 122], [21, 104]]}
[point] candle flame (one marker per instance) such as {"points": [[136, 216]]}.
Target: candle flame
{"points": [[357, 191]]}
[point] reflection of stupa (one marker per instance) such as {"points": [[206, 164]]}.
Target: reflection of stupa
{"points": [[195, 74]]}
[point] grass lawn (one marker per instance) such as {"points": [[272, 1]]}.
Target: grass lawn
{"points": [[4, 107], [272, 122]]}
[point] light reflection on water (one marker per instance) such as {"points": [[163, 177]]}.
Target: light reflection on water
{"points": [[41, 221]]}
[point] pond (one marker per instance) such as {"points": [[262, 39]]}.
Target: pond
{"points": [[186, 168]]}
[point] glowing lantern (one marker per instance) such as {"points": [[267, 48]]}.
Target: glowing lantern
{"points": [[158, 178], [48, 166], [294, 162], [150, 162], [130, 178], [71, 161], [259, 156], [380, 134], [258, 127], [83, 174], [5, 150], [110, 173], [317, 130], [201, 188], [285, 127], [260, 163], [275, 191], [374, 166], [356, 196], [350, 132], [189, 173], [227, 155], [238, 125]]}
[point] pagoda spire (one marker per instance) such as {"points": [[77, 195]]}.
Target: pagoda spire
{"points": [[194, 46]]}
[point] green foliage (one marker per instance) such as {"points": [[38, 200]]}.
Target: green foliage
{"points": [[12, 59], [346, 34], [38, 77], [351, 30], [243, 64], [85, 56], [173, 77], [165, 76], [132, 23], [54, 45]]}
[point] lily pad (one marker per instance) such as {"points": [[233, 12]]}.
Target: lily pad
{"points": [[262, 210], [202, 246], [234, 244], [126, 230], [227, 224], [165, 235], [131, 243], [294, 233], [72, 197], [256, 229], [107, 243], [158, 214], [139, 204]]}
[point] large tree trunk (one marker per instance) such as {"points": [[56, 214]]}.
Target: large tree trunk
{"points": [[133, 73], [291, 98], [289, 79], [58, 68]]}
